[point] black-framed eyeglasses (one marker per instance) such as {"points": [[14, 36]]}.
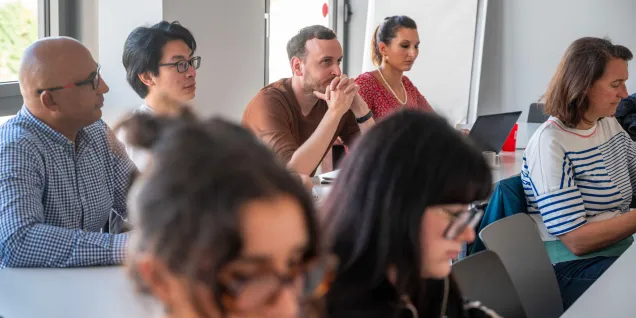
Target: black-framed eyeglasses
{"points": [[461, 221], [310, 281], [93, 79], [184, 65]]}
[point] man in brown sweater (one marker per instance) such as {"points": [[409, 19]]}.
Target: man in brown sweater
{"points": [[301, 117]]}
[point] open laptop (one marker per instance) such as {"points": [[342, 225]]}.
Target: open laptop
{"points": [[491, 131]]}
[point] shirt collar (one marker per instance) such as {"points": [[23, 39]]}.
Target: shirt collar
{"points": [[82, 136], [146, 109]]}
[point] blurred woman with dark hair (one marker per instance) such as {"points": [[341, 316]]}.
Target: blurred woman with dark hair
{"points": [[221, 229]]}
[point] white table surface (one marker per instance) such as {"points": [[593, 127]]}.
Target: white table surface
{"points": [[510, 162], [510, 165], [96, 292], [612, 295]]}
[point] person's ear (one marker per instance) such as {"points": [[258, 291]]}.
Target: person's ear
{"points": [[297, 66], [146, 78], [384, 49], [47, 99], [154, 277]]}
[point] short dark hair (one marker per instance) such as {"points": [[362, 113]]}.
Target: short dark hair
{"points": [[143, 50], [387, 31], [583, 63], [406, 163], [201, 174], [297, 44]]}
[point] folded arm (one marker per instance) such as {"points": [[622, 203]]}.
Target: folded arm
{"points": [[562, 206], [594, 236]]}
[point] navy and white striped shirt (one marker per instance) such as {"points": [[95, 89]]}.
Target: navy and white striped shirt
{"points": [[572, 177], [56, 195]]}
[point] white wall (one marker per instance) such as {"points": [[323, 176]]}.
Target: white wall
{"points": [[525, 41], [81, 23], [355, 40], [117, 18], [442, 72], [88, 25], [231, 42]]}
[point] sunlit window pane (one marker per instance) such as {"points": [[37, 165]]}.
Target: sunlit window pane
{"points": [[18, 29], [286, 18]]}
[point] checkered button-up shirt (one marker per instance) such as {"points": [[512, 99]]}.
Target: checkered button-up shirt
{"points": [[56, 195]]}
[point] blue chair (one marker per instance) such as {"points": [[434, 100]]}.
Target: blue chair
{"points": [[507, 199]]}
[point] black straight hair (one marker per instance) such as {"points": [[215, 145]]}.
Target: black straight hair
{"points": [[143, 50], [403, 165]]}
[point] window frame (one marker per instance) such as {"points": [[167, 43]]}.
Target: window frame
{"points": [[48, 16], [337, 23]]}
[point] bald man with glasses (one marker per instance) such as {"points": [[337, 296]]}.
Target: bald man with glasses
{"points": [[62, 172]]}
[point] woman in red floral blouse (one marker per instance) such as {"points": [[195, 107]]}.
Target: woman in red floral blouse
{"points": [[394, 48]]}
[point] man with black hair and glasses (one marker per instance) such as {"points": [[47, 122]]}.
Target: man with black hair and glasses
{"points": [[161, 68], [62, 171]]}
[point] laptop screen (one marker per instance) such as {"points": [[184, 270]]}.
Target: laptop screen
{"points": [[491, 131]]}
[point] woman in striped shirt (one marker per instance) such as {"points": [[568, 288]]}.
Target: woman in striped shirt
{"points": [[579, 167]]}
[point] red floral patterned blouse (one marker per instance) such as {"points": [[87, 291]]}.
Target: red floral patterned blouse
{"points": [[382, 102]]}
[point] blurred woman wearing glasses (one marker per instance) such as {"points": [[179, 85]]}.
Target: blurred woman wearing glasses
{"points": [[161, 68], [404, 202], [222, 230]]}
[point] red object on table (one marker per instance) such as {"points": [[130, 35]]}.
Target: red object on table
{"points": [[511, 141]]}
